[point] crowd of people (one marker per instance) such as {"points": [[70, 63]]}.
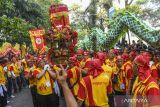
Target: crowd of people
{"points": [[115, 78]]}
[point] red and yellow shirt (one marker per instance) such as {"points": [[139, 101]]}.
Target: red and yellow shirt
{"points": [[148, 90], [32, 79], [14, 68], [108, 70], [124, 75], [2, 76], [154, 72], [94, 90], [74, 76], [44, 84], [82, 63]]}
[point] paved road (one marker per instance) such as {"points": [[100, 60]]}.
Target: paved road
{"points": [[22, 99]]}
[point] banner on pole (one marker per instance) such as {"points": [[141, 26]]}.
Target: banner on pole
{"points": [[37, 38]]}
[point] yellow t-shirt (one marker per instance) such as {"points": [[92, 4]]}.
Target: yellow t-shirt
{"points": [[107, 69], [94, 91], [2, 77], [44, 84]]}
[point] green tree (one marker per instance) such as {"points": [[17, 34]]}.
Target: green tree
{"points": [[97, 36], [6, 7], [78, 21], [14, 30], [32, 11], [18, 16]]}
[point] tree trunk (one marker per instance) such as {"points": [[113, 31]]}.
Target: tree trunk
{"points": [[93, 11], [101, 24], [129, 40], [94, 46]]}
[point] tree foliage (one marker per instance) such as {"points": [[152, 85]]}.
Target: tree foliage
{"points": [[32, 11], [18, 16], [6, 7], [93, 41], [78, 21], [151, 11], [14, 30]]}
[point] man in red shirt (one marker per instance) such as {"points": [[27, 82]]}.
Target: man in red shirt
{"points": [[109, 71], [121, 85], [145, 88], [79, 54], [128, 72], [111, 59], [132, 55], [86, 57]]}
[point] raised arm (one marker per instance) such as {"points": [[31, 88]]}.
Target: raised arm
{"points": [[70, 100], [41, 74]]}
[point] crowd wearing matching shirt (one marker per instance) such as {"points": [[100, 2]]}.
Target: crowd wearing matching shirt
{"points": [[99, 79]]}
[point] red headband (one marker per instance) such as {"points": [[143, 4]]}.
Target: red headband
{"points": [[94, 67], [86, 53], [101, 55], [140, 60], [125, 56]]}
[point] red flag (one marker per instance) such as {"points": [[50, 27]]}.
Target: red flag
{"points": [[37, 38]]}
